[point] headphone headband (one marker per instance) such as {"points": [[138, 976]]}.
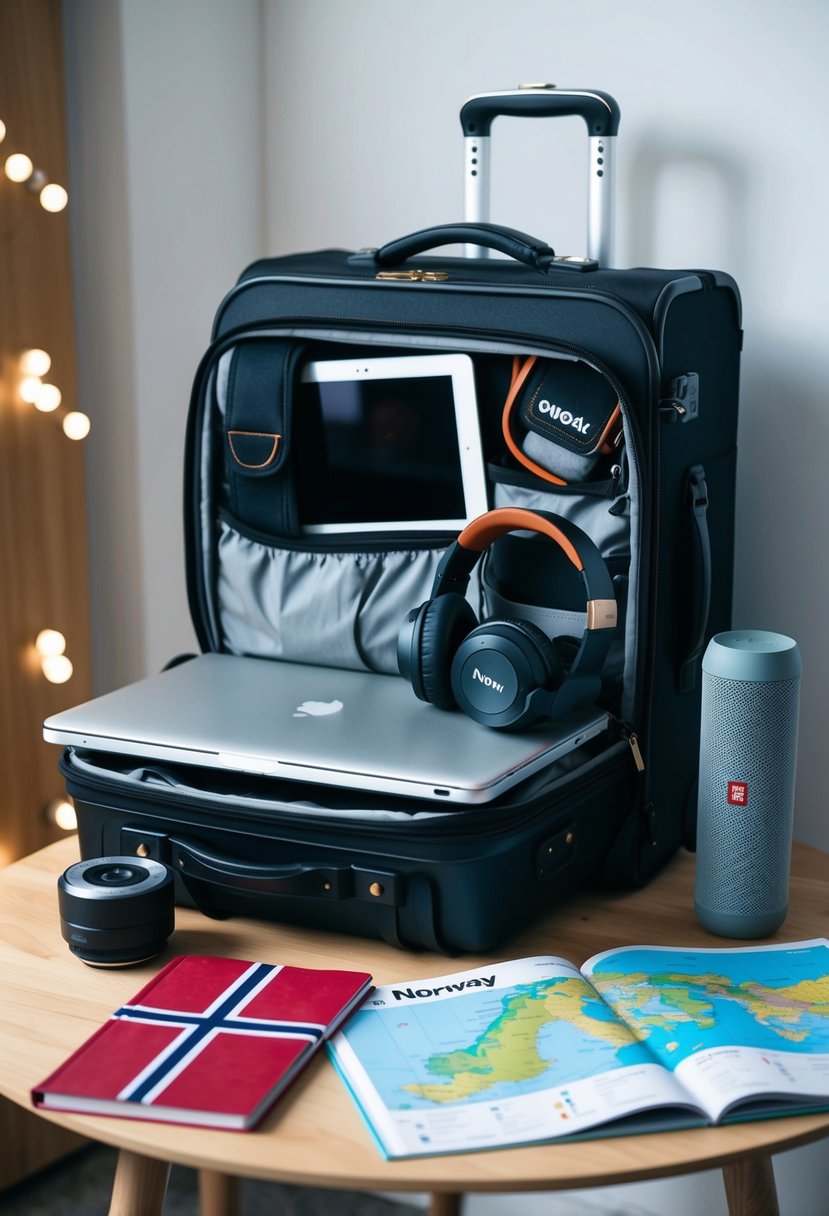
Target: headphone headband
{"points": [[481, 532], [457, 563]]}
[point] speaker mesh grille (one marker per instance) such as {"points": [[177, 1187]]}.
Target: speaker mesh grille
{"points": [[748, 737]]}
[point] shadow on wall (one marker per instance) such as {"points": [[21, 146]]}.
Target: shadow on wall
{"points": [[705, 194], [691, 188], [782, 506]]}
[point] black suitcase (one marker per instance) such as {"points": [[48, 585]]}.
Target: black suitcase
{"points": [[665, 345]]}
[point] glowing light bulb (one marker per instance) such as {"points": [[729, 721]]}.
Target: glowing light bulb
{"points": [[35, 362], [57, 668], [2, 130], [48, 398], [53, 197], [76, 425], [50, 642], [29, 388], [19, 167], [62, 814]]}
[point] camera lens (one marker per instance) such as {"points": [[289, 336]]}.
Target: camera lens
{"points": [[109, 875], [116, 911]]}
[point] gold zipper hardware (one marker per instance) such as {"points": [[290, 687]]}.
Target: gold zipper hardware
{"points": [[414, 276], [633, 743]]}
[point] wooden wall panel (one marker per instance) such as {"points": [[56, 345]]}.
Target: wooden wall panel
{"points": [[43, 541]]}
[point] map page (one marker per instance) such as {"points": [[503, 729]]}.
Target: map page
{"points": [[511, 1053], [732, 1024], [534, 1049]]}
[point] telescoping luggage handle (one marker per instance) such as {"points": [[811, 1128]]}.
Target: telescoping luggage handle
{"points": [[601, 115]]}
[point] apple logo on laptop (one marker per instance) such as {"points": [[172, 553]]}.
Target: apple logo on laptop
{"points": [[317, 709]]}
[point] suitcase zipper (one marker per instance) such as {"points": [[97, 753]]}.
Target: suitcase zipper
{"points": [[438, 278], [445, 824]]}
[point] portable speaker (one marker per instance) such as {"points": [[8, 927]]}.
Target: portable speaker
{"points": [[748, 751]]}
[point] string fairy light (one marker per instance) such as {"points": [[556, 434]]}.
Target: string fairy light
{"points": [[53, 197], [28, 389], [50, 642], [47, 398], [18, 167], [76, 425], [61, 812], [56, 666], [34, 364], [21, 169]]}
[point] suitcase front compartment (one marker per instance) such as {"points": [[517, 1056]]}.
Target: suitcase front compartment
{"points": [[446, 881], [262, 593]]}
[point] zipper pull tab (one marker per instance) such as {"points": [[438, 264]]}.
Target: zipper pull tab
{"points": [[633, 744], [615, 478]]}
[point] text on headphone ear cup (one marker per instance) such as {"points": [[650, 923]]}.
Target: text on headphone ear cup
{"points": [[447, 621], [496, 668]]}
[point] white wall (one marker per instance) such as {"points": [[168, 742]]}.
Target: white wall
{"points": [[206, 133], [165, 132]]}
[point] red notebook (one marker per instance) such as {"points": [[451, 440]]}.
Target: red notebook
{"points": [[209, 1041]]}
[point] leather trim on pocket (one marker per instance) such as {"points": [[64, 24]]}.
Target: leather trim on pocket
{"points": [[253, 449]]}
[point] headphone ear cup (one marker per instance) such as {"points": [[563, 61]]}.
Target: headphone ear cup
{"points": [[551, 668], [446, 622], [497, 668]]}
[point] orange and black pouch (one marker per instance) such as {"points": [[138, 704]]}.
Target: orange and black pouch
{"points": [[560, 418]]}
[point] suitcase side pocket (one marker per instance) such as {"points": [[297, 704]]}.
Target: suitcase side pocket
{"points": [[258, 389]]}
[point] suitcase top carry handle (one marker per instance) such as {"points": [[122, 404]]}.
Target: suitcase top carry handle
{"points": [[601, 115], [516, 244]]}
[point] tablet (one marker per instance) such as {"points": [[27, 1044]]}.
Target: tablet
{"points": [[388, 445]]}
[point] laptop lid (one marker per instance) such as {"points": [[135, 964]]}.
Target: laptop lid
{"points": [[358, 730]]}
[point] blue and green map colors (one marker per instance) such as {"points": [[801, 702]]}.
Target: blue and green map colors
{"points": [[682, 1002], [536, 1049], [491, 1044]]}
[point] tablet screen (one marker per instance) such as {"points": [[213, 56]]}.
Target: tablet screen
{"points": [[388, 444]]}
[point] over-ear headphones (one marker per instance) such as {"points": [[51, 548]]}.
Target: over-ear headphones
{"points": [[505, 673]]}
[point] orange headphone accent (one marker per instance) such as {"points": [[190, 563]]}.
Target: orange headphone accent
{"points": [[481, 532], [520, 372], [519, 375]]}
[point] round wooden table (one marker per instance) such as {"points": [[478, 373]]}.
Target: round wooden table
{"points": [[50, 1003]]}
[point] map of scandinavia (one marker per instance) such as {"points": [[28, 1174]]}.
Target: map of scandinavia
{"points": [[490, 1046]]}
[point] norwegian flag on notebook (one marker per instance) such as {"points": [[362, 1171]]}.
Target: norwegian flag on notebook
{"points": [[209, 1041]]}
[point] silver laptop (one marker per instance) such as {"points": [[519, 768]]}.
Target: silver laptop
{"points": [[347, 728]]}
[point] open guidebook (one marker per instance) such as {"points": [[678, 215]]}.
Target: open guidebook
{"points": [[642, 1038]]}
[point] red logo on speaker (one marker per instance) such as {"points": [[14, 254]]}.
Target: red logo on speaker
{"points": [[738, 793]]}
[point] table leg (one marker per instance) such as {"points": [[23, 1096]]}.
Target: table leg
{"points": [[218, 1194], [445, 1204], [749, 1187], [140, 1185]]}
